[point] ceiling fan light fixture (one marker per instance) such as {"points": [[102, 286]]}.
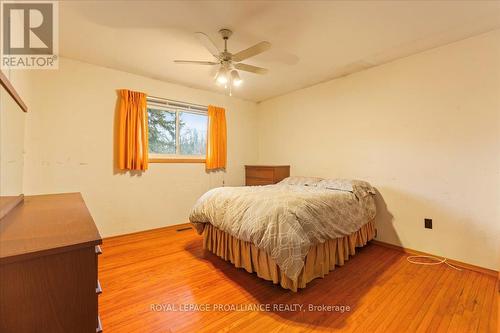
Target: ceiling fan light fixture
{"points": [[221, 77], [235, 78]]}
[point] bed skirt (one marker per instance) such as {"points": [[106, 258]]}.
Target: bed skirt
{"points": [[320, 259]]}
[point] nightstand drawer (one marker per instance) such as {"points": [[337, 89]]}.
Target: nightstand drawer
{"points": [[258, 181], [261, 173]]}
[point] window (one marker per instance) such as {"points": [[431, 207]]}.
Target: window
{"points": [[177, 132]]}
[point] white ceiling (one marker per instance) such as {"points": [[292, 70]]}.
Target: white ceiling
{"points": [[313, 41]]}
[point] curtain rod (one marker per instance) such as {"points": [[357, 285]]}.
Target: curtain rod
{"points": [[173, 101]]}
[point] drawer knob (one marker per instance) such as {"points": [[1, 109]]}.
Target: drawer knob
{"points": [[99, 325], [98, 289]]}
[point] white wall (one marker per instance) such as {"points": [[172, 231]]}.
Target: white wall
{"points": [[70, 147], [12, 134], [425, 130], [12, 120]]}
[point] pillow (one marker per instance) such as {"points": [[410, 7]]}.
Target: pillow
{"points": [[360, 188], [304, 181]]}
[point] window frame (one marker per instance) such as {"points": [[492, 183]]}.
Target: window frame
{"points": [[177, 157]]}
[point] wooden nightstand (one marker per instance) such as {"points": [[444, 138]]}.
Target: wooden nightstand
{"points": [[265, 174]]}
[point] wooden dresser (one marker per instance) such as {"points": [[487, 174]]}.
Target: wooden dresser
{"points": [[48, 266], [265, 174]]}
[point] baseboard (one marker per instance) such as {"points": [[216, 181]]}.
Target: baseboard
{"points": [[451, 261], [173, 227]]}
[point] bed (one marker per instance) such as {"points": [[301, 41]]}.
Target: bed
{"points": [[289, 233]]}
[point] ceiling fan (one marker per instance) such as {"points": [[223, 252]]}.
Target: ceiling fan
{"points": [[229, 63]]}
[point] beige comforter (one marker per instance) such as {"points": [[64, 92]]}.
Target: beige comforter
{"points": [[283, 220]]}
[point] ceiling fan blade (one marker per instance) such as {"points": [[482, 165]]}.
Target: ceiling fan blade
{"points": [[250, 68], [251, 51], [208, 43], [190, 62]]}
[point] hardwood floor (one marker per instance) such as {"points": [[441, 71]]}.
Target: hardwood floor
{"points": [[140, 273]]}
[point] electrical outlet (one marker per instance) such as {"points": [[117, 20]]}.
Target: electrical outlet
{"points": [[428, 223]]}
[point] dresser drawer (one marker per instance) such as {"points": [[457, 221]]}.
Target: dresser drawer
{"points": [[25, 286], [261, 173]]}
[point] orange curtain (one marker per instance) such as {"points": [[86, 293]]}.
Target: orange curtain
{"points": [[132, 131], [217, 139]]}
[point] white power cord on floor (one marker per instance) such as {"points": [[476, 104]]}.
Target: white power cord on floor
{"points": [[437, 261]]}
